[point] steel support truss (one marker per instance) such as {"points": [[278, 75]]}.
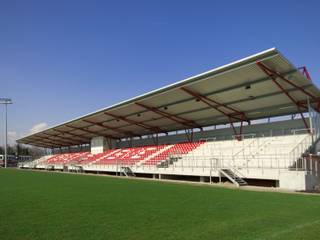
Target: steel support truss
{"points": [[91, 132], [175, 118], [140, 124], [305, 72], [101, 124], [232, 114], [71, 134], [62, 139], [47, 142], [301, 105]]}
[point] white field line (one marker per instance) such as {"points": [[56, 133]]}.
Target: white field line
{"points": [[288, 230]]}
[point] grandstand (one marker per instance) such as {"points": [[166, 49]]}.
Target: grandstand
{"points": [[254, 121]]}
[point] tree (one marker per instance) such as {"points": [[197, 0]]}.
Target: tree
{"points": [[17, 149]]}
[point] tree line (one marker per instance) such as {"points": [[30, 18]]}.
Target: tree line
{"points": [[17, 149]]}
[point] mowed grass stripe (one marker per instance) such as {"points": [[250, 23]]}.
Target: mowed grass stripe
{"points": [[43, 205]]}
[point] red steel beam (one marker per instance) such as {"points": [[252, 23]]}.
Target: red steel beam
{"points": [[235, 114], [72, 134], [92, 132], [316, 100], [45, 141], [277, 74], [181, 120], [62, 139], [74, 141], [140, 124], [305, 72], [216, 105], [42, 144], [273, 75], [111, 128], [56, 142]]}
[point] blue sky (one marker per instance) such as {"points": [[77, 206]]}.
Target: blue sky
{"points": [[63, 59]]}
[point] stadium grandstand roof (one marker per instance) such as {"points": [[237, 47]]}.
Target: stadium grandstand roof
{"points": [[259, 86]]}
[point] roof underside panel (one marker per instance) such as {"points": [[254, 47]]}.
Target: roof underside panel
{"points": [[242, 87]]}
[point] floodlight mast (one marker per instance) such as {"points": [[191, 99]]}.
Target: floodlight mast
{"points": [[6, 101]]}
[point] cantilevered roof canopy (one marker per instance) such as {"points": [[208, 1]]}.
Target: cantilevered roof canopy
{"points": [[259, 86]]}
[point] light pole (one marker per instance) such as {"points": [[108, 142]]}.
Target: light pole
{"points": [[6, 101]]}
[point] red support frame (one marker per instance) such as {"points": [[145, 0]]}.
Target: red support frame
{"points": [[177, 119], [305, 72], [304, 102], [91, 132], [75, 142], [58, 142], [233, 114], [111, 128], [43, 144], [274, 75], [67, 132], [140, 124], [46, 141], [270, 72]]}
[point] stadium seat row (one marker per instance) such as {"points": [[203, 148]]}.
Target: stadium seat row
{"points": [[149, 155]]}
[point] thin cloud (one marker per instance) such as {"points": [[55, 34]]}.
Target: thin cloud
{"points": [[12, 137], [38, 127]]}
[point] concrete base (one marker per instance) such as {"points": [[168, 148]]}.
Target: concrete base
{"points": [[285, 179], [298, 180]]}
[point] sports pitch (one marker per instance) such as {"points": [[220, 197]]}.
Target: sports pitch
{"points": [[43, 205]]}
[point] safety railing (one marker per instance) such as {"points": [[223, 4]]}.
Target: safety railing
{"points": [[300, 148], [259, 134], [279, 161], [300, 131], [310, 163]]}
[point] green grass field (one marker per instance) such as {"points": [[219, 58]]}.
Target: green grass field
{"points": [[42, 205]]}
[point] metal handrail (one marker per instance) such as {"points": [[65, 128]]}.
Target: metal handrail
{"points": [[257, 134], [244, 148], [300, 130]]}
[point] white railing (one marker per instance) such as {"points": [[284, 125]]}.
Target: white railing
{"points": [[260, 134], [271, 161], [300, 130], [300, 148], [246, 147], [310, 164], [210, 164]]}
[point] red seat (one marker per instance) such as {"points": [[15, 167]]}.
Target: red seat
{"points": [[125, 156]]}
